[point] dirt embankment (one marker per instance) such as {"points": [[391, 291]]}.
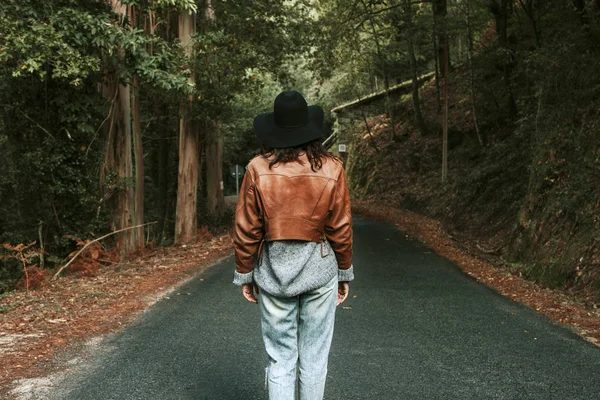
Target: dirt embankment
{"points": [[516, 211], [577, 312]]}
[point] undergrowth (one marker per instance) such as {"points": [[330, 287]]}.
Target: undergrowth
{"points": [[531, 192]]}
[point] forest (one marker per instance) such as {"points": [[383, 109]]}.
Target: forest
{"points": [[125, 118]]}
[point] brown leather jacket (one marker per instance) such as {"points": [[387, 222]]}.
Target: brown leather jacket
{"points": [[291, 201]]}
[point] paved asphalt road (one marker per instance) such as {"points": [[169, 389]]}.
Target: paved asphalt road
{"points": [[418, 329]]}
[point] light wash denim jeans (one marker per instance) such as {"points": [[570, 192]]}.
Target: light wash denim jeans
{"points": [[297, 332]]}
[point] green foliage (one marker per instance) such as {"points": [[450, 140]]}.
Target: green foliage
{"points": [[242, 60], [246, 39], [532, 186], [72, 40], [158, 4], [53, 58]]}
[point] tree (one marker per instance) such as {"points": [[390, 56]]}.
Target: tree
{"points": [[73, 74], [445, 124], [383, 63], [214, 169], [138, 152], [90, 100], [117, 172], [501, 10], [408, 14], [440, 11], [469, 28], [189, 147], [214, 150]]}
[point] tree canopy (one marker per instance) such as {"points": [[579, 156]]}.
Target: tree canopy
{"points": [[107, 106]]}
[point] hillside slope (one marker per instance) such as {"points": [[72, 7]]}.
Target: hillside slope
{"points": [[529, 196]]}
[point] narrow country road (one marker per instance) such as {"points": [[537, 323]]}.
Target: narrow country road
{"points": [[417, 329]]}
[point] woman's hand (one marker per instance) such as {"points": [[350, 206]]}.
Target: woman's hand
{"points": [[343, 290], [248, 292]]}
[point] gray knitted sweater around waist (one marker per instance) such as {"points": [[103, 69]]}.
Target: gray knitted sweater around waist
{"points": [[291, 267]]}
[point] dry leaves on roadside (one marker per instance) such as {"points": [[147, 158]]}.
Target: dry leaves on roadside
{"points": [[558, 305], [77, 306]]}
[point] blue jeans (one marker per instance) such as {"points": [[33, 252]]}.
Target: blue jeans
{"points": [[297, 332]]}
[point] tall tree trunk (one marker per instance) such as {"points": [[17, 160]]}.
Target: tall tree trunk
{"points": [[138, 235], [163, 148], [386, 78], [438, 103], [215, 200], [118, 159], [139, 167], [501, 12], [445, 125], [118, 164], [162, 178], [124, 159], [471, 73], [440, 11], [187, 182], [413, 69]]}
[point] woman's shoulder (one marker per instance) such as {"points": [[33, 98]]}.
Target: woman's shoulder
{"points": [[259, 165], [332, 165], [258, 161]]}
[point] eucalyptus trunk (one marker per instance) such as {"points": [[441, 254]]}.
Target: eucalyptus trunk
{"points": [[163, 151], [187, 180], [215, 200], [117, 172], [163, 148], [138, 152]]}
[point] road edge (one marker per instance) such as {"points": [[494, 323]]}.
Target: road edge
{"points": [[38, 382], [562, 308]]}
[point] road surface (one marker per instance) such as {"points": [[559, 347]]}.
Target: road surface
{"points": [[417, 329]]}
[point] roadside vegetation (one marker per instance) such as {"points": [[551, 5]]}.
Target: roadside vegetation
{"points": [[121, 121], [519, 127]]}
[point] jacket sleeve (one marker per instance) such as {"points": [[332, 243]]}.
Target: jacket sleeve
{"points": [[248, 230], [339, 228]]}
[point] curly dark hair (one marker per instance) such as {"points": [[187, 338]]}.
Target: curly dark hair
{"points": [[314, 151]]}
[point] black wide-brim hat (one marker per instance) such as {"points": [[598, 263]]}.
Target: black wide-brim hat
{"points": [[291, 123]]}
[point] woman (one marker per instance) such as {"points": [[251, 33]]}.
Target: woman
{"points": [[293, 245]]}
